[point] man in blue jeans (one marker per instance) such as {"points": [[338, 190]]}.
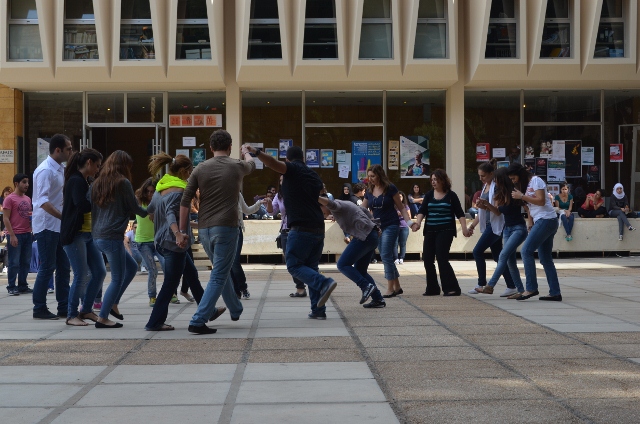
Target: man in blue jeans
{"points": [[48, 181], [219, 180], [17, 220], [300, 189]]}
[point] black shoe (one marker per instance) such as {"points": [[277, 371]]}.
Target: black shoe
{"points": [[27, 290], [525, 297], [119, 316], [217, 313], [399, 292], [375, 304], [387, 296], [202, 329], [13, 292], [46, 314], [557, 298], [431, 294], [236, 318], [452, 293], [115, 325], [62, 314], [366, 293], [326, 292], [317, 315]]}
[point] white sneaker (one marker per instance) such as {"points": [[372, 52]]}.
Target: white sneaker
{"points": [[631, 228], [50, 291], [401, 261], [509, 292], [620, 237], [4, 270], [143, 270], [397, 262], [473, 290]]}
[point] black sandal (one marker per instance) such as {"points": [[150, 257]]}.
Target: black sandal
{"points": [[296, 294]]}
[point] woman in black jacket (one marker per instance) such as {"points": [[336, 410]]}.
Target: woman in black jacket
{"points": [[75, 236]]}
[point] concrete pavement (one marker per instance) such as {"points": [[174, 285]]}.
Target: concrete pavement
{"points": [[477, 358]]}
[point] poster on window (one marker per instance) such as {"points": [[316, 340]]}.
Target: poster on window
{"points": [[553, 189], [414, 156], [364, 154], [283, 146], [482, 152], [530, 165], [198, 156], [546, 149], [541, 167], [273, 152], [573, 158], [555, 171], [312, 158], [615, 153], [588, 155], [42, 150], [326, 160], [394, 155], [258, 162], [593, 174]]}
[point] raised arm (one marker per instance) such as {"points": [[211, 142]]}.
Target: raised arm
{"points": [[268, 160]]}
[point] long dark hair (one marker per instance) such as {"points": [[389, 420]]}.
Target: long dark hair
{"points": [[405, 202], [141, 193], [78, 160], [523, 175], [115, 170], [442, 176], [503, 188], [382, 177], [157, 162]]}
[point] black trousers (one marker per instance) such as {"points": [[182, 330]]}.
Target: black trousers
{"points": [[436, 247], [592, 214]]}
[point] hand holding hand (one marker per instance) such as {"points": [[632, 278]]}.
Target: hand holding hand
{"points": [[415, 227], [465, 232], [181, 240], [469, 232]]}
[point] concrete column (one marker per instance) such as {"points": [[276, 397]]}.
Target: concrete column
{"points": [[10, 128], [233, 102], [455, 137]]}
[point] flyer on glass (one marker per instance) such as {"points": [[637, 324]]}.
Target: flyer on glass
{"points": [[414, 156]]}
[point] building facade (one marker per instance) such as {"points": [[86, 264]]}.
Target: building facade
{"points": [[412, 84]]}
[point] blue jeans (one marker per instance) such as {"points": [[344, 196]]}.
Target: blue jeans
{"points": [[284, 238], [494, 242], [123, 269], [567, 223], [135, 254], [387, 244], [52, 258], [220, 244], [541, 237], [355, 259], [237, 273], [401, 242], [19, 261], [148, 251], [175, 265], [88, 267], [303, 256], [512, 237]]}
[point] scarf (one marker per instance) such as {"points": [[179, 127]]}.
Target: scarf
{"points": [[615, 193], [169, 181]]}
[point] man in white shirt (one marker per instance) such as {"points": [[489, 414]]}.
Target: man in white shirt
{"points": [[48, 181]]}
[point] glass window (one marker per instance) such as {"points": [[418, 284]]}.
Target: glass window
{"points": [[63, 112], [24, 32], [192, 37], [264, 30], [502, 34], [376, 39], [268, 117], [491, 117], [556, 34], [144, 107], [416, 120], [431, 31], [610, 37], [105, 108], [136, 31], [561, 106], [80, 39], [320, 31], [343, 107]]}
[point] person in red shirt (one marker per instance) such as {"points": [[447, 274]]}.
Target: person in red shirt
{"points": [[593, 207], [17, 220]]}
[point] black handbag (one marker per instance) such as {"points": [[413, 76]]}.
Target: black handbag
{"points": [[279, 238]]}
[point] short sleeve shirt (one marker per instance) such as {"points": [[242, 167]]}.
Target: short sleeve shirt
{"points": [[20, 207], [564, 205], [383, 207], [540, 212]]}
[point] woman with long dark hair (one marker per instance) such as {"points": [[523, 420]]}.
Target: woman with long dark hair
{"points": [[383, 200], [543, 225], [403, 233], [513, 234], [75, 236], [170, 242], [564, 202], [415, 199], [491, 225], [113, 201], [440, 208]]}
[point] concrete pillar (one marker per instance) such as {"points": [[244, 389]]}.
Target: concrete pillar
{"points": [[233, 102], [455, 117], [10, 128]]}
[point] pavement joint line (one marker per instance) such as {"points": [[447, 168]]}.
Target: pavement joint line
{"points": [[393, 403], [230, 401], [474, 345]]}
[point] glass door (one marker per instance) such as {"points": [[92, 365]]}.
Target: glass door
{"points": [[634, 193], [160, 142]]}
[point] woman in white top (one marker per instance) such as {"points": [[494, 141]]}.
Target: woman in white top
{"points": [[491, 226], [542, 224]]}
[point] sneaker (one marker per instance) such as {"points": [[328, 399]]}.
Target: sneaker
{"points": [[50, 291], [568, 238], [46, 314], [24, 291], [317, 315], [474, 291], [175, 300], [143, 270], [620, 237], [13, 292], [152, 301], [326, 292], [246, 295], [632, 228], [508, 292], [97, 305], [397, 262], [4, 270], [203, 329], [375, 304], [187, 296], [401, 261], [366, 293], [219, 311]]}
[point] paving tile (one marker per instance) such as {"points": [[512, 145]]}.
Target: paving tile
{"points": [[302, 332], [291, 391], [572, 366], [307, 355], [48, 375], [8, 346], [193, 344], [154, 394], [614, 385], [25, 415], [514, 339], [545, 351], [607, 411], [160, 414], [425, 354], [171, 358], [170, 373], [303, 343], [411, 330], [412, 341], [591, 328], [307, 371], [69, 358], [86, 346], [309, 413], [39, 395], [399, 373]]}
